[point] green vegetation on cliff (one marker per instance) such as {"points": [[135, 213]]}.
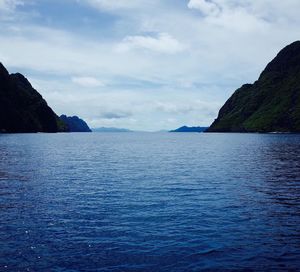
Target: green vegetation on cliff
{"points": [[271, 104], [23, 109]]}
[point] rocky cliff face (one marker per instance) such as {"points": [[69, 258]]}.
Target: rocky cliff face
{"points": [[271, 104], [22, 108]]}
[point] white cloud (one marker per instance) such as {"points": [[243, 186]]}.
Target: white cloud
{"points": [[8, 8], [113, 4], [186, 106], [89, 82], [183, 73], [206, 7], [247, 11], [9, 5], [163, 43]]}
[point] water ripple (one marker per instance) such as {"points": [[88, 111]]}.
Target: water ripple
{"points": [[149, 202]]}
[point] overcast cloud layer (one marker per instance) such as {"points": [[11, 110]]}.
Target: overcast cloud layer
{"points": [[143, 64]]}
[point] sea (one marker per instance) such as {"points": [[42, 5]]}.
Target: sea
{"points": [[149, 202]]}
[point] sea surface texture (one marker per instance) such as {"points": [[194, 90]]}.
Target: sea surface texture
{"points": [[149, 202]]}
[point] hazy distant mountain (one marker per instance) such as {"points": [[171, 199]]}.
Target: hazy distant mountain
{"points": [[163, 130], [189, 129], [271, 104], [22, 108], [75, 124], [110, 129]]}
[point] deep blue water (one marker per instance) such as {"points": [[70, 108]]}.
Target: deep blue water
{"points": [[149, 202]]}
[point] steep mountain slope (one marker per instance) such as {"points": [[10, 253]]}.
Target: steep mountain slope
{"points": [[75, 124], [22, 108], [271, 104]]}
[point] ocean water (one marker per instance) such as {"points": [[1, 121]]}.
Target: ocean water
{"points": [[149, 202]]}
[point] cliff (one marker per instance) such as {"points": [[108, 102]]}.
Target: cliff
{"points": [[22, 108], [270, 104], [75, 124]]}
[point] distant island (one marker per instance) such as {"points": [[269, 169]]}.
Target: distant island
{"points": [[190, 129], [24, 110], [110, 129], [75, 124], [271, 104]]}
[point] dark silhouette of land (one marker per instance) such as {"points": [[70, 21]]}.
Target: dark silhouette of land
{"points": [[271, 104]]}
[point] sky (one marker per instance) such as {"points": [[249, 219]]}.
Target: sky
{"points": [[143, 64]]}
